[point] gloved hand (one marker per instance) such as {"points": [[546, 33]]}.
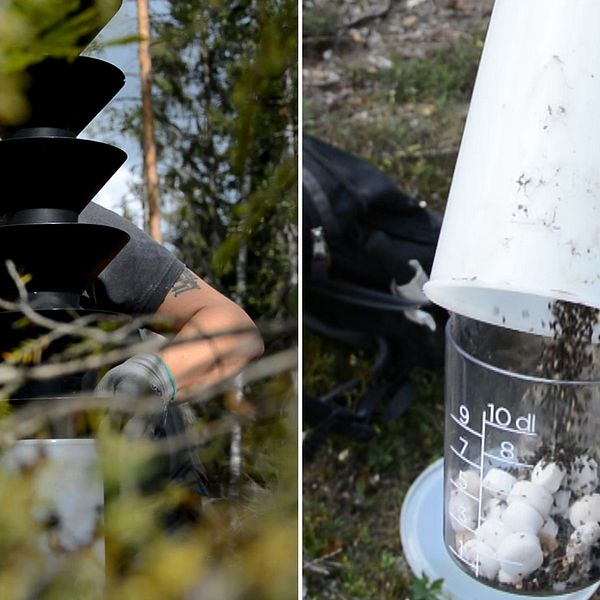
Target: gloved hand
{"points": [[141, 375], [148, 375]]}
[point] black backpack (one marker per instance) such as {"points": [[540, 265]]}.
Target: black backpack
{"points": [[367, 250]]}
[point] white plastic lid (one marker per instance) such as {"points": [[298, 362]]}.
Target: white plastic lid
{"points": [[522, 223]]}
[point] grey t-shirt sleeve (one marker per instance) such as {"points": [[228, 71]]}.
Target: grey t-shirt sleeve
{"points": [[139, 277]]}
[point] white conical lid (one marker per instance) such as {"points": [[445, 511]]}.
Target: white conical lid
{"points": [[522, 224]]}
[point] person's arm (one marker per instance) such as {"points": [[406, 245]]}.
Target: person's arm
{"points": [[199, 310]]}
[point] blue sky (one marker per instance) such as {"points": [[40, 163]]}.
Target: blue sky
{"points": [[124, 57]]}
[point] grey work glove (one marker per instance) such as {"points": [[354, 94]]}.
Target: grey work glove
{"points": [[141, 375], [148, 375]]}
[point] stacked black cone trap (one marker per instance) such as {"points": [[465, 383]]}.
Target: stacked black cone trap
{"points": [[49, 176]]}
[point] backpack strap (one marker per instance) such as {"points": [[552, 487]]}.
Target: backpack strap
{"points": [[404, 397], [339, 177], [357, 295], [316, 194], [326, 417], [324, 228], [344, 335]]}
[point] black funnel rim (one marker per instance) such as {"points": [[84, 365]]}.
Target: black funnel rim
{"points": [[54, 172], [60, 257], [67, 94], [17, 143]]}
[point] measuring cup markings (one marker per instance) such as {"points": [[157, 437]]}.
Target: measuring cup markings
{"points": [[478, 553], [475, 566], [493, 418], [502, 418], [482, 446], [469, 462], [509, 461], [463, 418], [461, 489], [511, 430], [464, 425], [462, 523], [463, 559]]}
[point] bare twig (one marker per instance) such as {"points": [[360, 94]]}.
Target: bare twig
{"points": [[319, 565], [13, 376], [89, 354], [29, 419], [79, 326]]}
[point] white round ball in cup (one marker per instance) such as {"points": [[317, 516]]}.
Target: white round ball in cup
{"points": [[421, 534]]}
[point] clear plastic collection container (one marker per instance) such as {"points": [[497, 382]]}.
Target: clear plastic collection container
{"points": [[67, 500], [521, 493]]}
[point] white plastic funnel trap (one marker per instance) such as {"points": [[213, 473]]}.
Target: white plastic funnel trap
{"points": [[522, 224]]}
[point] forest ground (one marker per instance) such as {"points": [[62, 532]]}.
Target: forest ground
{"points": [[391, 82]]}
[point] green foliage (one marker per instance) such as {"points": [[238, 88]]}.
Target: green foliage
{"points": [[387, 559], [238, 550], [275, 195], [225, 99], [379, 457], [424, 589], [31, 30], [320, 20], [243, 547], [261, 81], [449, 73], [226, 86], [225, 95]]}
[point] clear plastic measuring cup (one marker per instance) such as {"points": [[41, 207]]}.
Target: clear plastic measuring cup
{"points": [[67, 501], [521, 487]]}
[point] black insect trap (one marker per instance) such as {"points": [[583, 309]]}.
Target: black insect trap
{"points": [[49, 176], [517, 495]]}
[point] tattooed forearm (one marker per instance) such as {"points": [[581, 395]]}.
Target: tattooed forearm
{"points": [[186, 282]]}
